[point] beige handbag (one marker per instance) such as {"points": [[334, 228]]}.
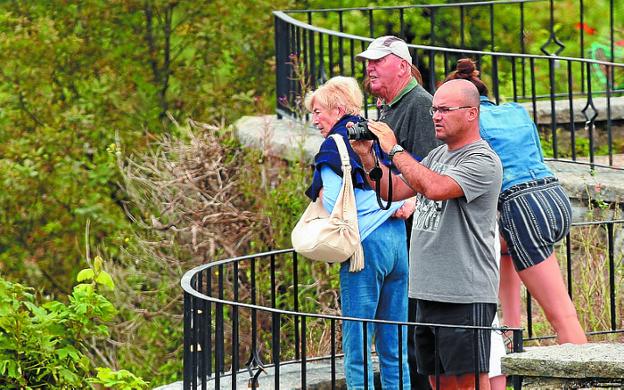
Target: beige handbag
{"points": [[332, 238]]}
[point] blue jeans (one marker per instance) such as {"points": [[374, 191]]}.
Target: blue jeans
{"points": [[379, 291]]}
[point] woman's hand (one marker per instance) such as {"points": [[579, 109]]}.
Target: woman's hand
{"points": [[408, 208]]}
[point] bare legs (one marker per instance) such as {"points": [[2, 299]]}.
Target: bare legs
{"points": [[545, 283], [509, 290], [498, 382], [461, 382]]}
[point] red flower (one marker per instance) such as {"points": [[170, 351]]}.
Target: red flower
{"points": [[589, 30]]}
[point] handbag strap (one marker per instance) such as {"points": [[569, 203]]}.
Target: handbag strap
{"points": [[342, 149], [357, 260]]}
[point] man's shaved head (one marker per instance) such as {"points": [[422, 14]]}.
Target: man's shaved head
{"points": [[464, 90], [456, 113]]}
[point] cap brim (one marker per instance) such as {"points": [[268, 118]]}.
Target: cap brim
{"points": [[372, 54]]}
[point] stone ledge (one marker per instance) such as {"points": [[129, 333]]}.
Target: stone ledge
{"points": [[562, 109], [292, 140], [568, 361]]}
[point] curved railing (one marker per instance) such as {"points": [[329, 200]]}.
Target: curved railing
{"points": [[573, 99], [246, 316], [231, 339]]}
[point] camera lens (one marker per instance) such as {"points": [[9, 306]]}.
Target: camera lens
{"points": [[360, 132]]}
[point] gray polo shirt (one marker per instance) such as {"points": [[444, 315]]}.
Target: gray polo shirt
{"points": [[408, 116]]}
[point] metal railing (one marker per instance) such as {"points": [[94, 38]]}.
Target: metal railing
{"points": [[576, 93], [593, 250], [276, 330], [246, 315]]}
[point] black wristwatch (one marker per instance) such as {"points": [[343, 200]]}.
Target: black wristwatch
{"points": [[395, 149]]}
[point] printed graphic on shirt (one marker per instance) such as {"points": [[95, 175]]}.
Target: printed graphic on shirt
{"points": [[428, 212]]}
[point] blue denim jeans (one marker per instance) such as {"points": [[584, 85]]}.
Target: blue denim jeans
{"points": [[379, 291]]}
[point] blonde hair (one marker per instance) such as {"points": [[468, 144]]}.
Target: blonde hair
{"points": [[339, 91]]}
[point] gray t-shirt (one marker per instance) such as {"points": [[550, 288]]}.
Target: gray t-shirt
{"points": [[452, 255]]}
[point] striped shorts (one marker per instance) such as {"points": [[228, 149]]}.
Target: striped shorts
{"points": [[533, 217]]}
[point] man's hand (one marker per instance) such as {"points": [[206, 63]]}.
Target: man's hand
{"points": [[386, 136], [408, 208]]}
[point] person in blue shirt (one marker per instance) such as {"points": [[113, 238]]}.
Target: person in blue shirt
{"points": [[379, 290], [534, 214]]}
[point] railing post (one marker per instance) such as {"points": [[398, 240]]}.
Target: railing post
{"points": [[612, 286], [235, 330], [275, 329], [517, 347], [282, 94], [187, 342]]}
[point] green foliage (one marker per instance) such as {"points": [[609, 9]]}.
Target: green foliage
{"points": [[46, 344], [75, 75], [564, 145], [122, 379]]}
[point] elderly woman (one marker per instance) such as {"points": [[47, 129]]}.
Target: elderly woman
{"points": [[379, 291]]}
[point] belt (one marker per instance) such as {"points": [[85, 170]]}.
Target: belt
{"points": [[528, 184]]}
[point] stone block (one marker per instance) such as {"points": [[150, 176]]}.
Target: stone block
{"points": [[568, 365]]}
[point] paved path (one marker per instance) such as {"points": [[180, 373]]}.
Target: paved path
{"points": [[318, 377]]}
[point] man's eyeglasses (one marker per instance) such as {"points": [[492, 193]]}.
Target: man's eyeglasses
{"points": [[444, 110]]}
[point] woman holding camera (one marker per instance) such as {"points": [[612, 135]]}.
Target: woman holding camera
{"points": [[379, 291]]}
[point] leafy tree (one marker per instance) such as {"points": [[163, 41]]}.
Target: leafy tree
{"points": [[76, 75]]}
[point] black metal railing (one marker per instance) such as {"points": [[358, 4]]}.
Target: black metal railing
{"points": [[569, 96], [252, 314], [277, 332]]}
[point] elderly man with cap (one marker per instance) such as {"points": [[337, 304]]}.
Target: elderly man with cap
{"points": [[405, 105]]}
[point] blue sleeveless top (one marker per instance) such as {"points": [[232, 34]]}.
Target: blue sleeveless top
{"points": [[511, 133]]}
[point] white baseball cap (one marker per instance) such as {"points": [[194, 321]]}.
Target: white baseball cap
{"points": [[383, 46]]}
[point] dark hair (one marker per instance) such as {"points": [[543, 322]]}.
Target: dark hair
{"points": [[467, 69], [416, 74]]}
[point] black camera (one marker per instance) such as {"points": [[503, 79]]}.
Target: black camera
{"points": [[360, 131]]}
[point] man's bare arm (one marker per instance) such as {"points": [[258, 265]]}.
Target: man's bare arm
{"points": [[423, 180]]}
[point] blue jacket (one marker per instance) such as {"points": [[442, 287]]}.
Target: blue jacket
{"points": [[511, 133], [328, 175]]}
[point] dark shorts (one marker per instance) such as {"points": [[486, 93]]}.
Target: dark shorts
{"points": [[459, 351], [533, 217]]}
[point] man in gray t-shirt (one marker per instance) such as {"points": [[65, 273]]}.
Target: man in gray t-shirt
{"points": [[453, 271]]}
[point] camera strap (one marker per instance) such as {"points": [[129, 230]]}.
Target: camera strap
{"points": [[376, 175]]}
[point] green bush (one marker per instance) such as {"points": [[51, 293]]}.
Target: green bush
{"points": [[45, 345]]}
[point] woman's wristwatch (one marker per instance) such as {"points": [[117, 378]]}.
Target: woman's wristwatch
{"points": [[395, 149]]}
